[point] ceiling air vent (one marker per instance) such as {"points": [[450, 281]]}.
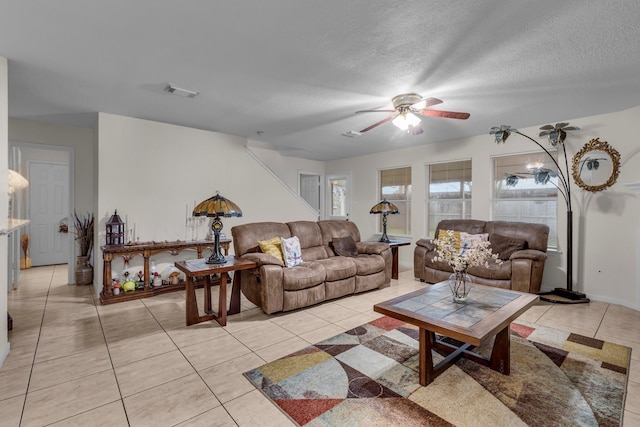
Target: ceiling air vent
{"points": [[180, 92], [352, 134]]}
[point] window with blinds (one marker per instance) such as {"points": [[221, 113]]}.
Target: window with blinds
{"points": [[448, 192], [518, 196], [395, 186]]}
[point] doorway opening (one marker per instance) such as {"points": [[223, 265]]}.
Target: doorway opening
{"points": [[48, 202]]}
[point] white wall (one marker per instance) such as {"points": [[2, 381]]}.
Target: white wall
{"points": [[151, 172], [4, 201], [286, 167], [80, 139], [605, 224]]}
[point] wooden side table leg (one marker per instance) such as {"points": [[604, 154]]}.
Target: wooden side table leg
{"points": [[394, 262], [207, 294], [222, 300], [234, 306], [501, 353], [192, 303]]}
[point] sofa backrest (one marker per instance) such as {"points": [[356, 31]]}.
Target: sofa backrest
{"points": [[337, 228], [310, 237], [536, 235], [246, 236], [471, 226]]}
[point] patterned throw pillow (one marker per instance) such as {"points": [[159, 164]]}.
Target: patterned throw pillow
{"points": [[291, 250], [469, 241], [272, 247]]}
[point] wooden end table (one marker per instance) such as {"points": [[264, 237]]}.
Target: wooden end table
{"points": [[199, 268], [487, 313], [394, 245]]}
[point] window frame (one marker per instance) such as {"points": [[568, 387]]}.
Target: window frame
{"points": [[404, 205], [553, 220], [465, 212]]}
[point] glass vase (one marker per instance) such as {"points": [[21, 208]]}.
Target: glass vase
{"points": [[460, 284]]}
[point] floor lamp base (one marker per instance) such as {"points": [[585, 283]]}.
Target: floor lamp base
{"points": [[563, 296]]}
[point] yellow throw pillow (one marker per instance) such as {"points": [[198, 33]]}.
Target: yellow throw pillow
{"points": [[456, 235], [272, 247]]}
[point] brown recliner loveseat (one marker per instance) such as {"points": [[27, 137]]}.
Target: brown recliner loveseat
{"points": [[523, 248], [322, 275]]}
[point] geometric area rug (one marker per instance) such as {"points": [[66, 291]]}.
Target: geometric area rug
{"points": [[368, 376]]}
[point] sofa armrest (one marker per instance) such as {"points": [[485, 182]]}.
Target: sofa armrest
{"points": [[426, 243], [371, 248], [262, 259], [532, 254]]}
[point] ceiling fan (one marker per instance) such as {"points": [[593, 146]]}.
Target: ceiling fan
{"points": [[407, 107]]}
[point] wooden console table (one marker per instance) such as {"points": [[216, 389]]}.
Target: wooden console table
{"points": [[146, 250]]}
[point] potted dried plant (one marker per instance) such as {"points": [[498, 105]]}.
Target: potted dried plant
{"points": [[84, 237]]}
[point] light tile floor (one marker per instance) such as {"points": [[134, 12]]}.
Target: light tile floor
{"points": [[75, 362]]}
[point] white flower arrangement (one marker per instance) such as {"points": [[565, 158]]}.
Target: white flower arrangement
{"points": [[461, 259]]}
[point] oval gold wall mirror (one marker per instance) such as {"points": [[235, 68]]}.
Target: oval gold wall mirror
{"points": [[596, 166]]}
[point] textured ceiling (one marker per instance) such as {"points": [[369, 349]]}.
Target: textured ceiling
{"points": [[297, 71]]}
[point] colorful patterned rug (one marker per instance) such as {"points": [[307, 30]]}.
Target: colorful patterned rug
{"points": [[368, 376]]}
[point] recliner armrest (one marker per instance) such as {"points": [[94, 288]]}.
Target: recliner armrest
{"points": [[371, 248], [426, 243], [532, 254]]}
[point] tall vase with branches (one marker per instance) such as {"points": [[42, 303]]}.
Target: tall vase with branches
{"points": [[84, 236]]}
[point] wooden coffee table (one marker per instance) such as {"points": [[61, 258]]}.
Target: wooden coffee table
{"points": [[487, 313]]}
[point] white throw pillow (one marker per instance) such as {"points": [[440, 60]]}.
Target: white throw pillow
{"points": [[291, 251]]}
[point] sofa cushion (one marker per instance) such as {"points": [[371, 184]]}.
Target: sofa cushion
{"points": [[344, 246], [310, 237], [291, 251], [368, 264], [504, 246], [494, 272], [303, 276], [337, 268], [272, 247]]}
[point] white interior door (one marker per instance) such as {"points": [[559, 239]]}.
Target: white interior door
{"points": [[338, 196], [310, 189], [48, 206]]}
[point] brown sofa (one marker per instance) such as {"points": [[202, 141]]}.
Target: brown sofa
{"points": [[520, 271], [322, 275]]}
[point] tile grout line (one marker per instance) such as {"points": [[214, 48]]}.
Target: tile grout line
{"points": [[44, 310], [113, 369]]}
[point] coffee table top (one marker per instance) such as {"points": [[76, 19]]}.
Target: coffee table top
{"points": [[486, 311]]}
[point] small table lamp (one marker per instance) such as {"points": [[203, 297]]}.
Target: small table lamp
{"points": [[216, 207], [385, 208]]}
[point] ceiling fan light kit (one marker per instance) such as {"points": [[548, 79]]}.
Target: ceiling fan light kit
{"points": [[407, 109]]}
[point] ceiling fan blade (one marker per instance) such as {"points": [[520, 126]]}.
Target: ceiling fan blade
{"points": [[446, 114], [381, 122], [432, 101], [376, 111]]}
